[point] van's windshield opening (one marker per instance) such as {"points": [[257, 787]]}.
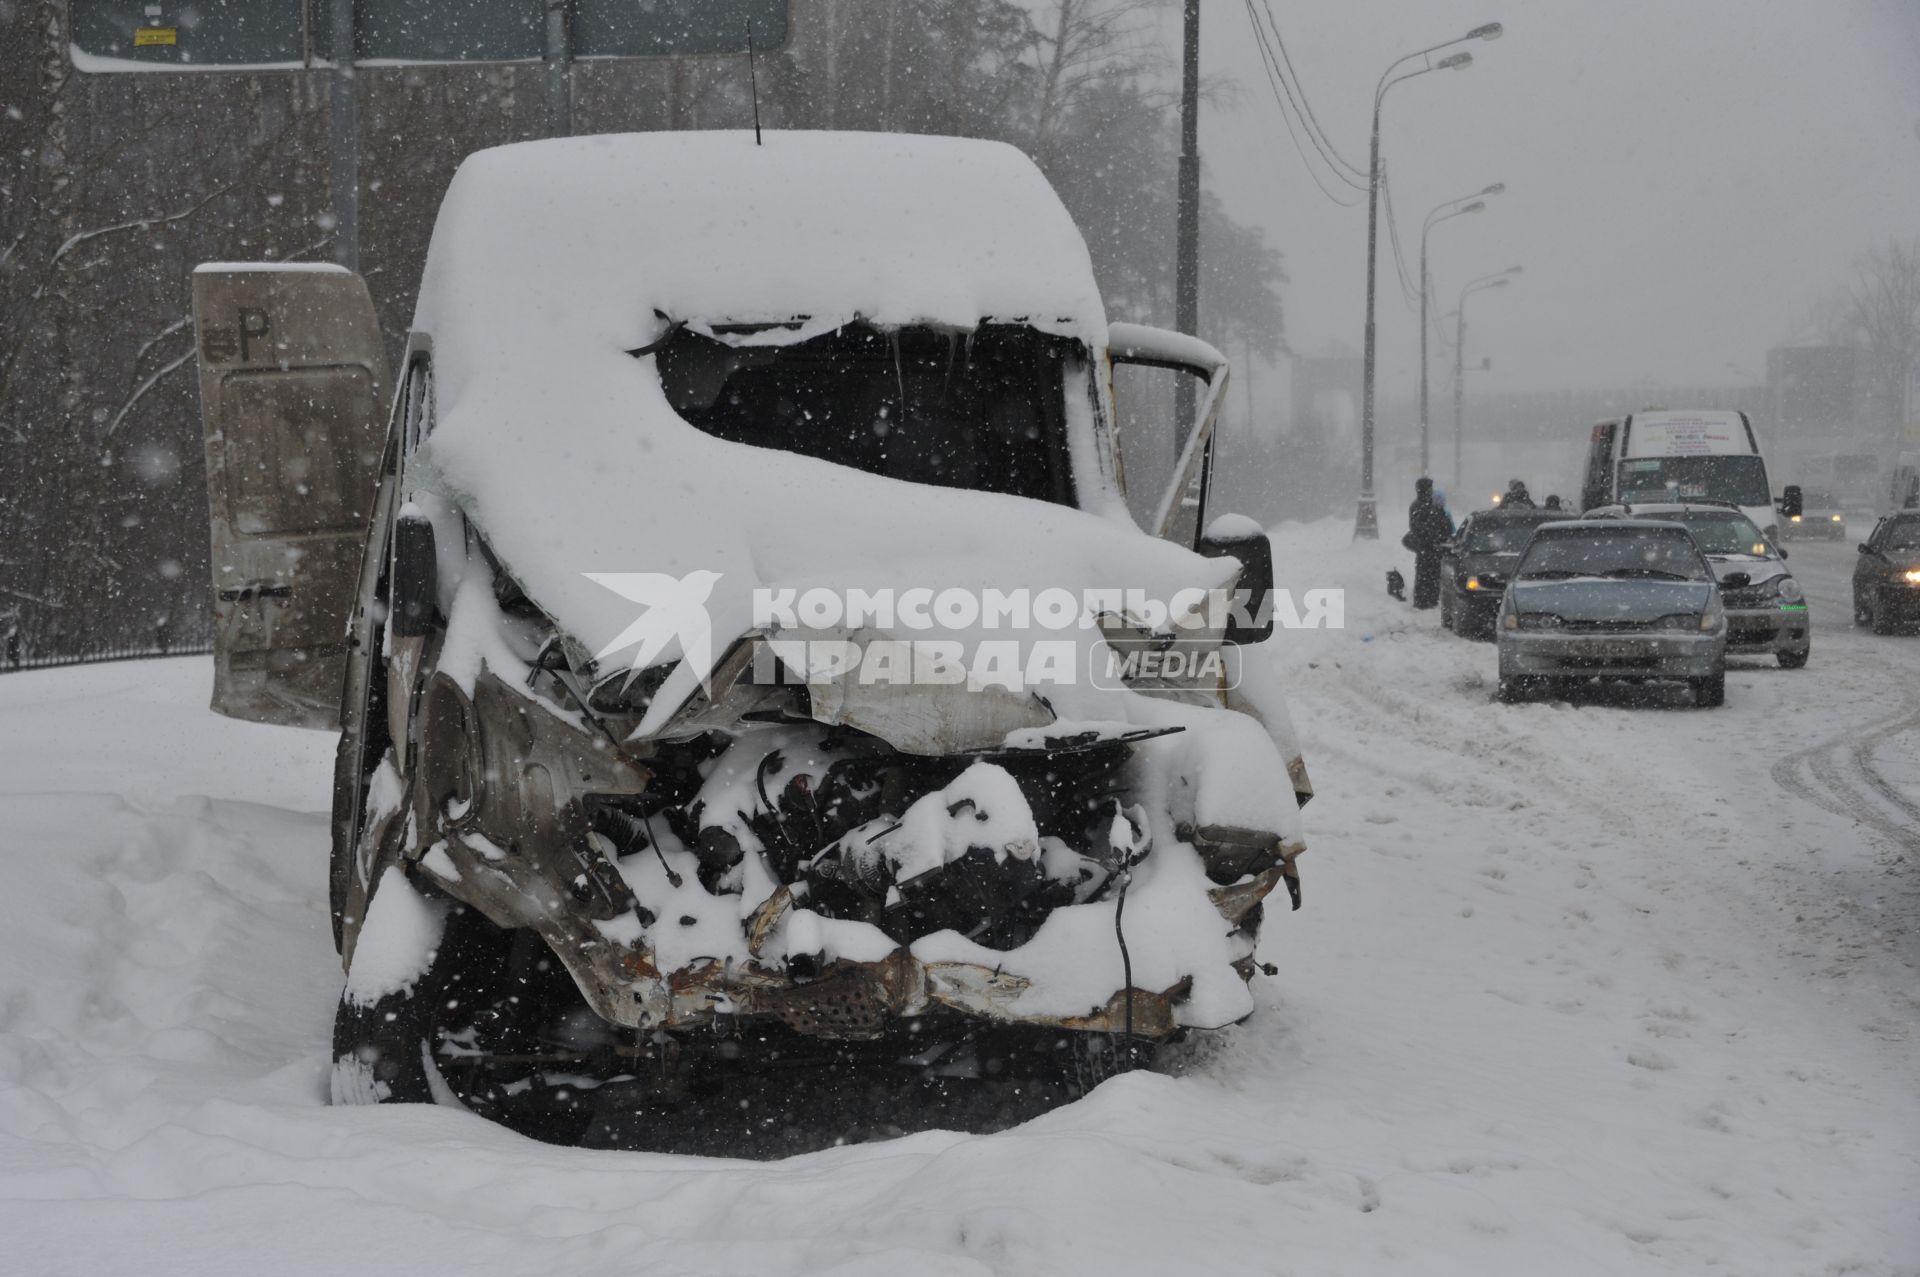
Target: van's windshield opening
{"points": [[1741, 479], [983, 410]]}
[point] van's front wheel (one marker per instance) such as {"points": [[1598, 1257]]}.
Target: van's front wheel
{"points": [[437, 998], [383, 1030]]}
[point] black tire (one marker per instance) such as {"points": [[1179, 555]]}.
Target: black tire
{"points": [[382, 1043], [1710, 692], [430, 1043], [1862, 614], [1512, 691], [1448, 611], [1795, 660], [1095, 1057], [1882, 614]]}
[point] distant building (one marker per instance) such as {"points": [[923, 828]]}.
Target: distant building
{"points": [[1816, 392]]}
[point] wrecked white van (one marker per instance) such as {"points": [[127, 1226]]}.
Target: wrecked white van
{"points": [[736, 630]]}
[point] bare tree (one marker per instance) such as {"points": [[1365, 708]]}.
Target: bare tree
{"points": [[1076, 43], [1885, 314]]}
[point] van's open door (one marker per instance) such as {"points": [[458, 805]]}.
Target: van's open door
{"points": [[293, 392], [1179, 513]]}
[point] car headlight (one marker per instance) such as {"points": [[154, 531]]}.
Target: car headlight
{"points": [[1680, 621], [1788, 589], [1834, 518], [1535, 620], [1713, 619], [1912, 576], [1794, 517]]}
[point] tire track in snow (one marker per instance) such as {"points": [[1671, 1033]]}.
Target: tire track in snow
{"points": [[1839, 774]]}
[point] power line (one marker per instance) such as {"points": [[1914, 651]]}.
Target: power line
{"points": [[1302, 110], [1307, 106], [1282, 95], [1407, 289]]}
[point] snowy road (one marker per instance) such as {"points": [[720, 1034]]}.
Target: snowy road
{"points": [[1578, 989]]}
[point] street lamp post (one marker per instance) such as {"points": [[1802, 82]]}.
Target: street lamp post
{"points": [[1497, 280], [1441, 212], [1366, 520]]}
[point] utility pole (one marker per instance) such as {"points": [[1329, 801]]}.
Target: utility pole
{"points": [[1366, 521], [1186, 289], [559, 59], [346, 141], [1498, 279], [1441, 212], [1459, 387]]}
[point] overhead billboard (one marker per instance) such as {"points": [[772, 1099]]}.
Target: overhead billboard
{"points": [[129, 35], [181, 35]]}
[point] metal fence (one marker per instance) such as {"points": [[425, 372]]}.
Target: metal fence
{"points": [[13, 659]]}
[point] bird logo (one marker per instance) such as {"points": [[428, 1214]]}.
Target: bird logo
{"points": [[674, 618]]}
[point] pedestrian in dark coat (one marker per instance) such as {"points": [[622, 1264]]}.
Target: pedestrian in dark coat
{"points": [[1429, 528], [1517, 498]]}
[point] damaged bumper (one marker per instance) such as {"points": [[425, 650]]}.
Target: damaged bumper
{"points": [[537, 820]]}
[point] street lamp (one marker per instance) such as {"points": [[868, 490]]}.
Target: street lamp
{"points": [[1441, 212], [1499, 279], [1366, 520]]}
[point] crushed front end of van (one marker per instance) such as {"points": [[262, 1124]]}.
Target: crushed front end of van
{"points": [[752, 653]]}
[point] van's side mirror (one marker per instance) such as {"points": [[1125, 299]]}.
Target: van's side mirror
{"points": [[416, 577], [1790, 502], [1865, 548], [1250, 619]]}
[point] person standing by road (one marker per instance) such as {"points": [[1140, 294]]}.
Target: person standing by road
{"points": [[1429, 528]]}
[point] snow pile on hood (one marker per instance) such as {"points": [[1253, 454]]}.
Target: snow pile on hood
{"points": [[548, 264]]}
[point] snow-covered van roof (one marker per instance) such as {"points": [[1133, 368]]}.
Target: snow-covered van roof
{"points": [[605, 231]]}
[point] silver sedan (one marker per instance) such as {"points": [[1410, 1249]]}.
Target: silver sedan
{"points": [[1619, 599]]}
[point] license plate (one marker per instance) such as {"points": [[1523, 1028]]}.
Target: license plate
{"points": [[1616, 649]]}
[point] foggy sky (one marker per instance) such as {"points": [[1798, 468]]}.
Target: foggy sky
{"points": [[1685, 179]]}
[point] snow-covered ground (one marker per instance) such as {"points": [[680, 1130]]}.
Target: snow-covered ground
{"points": [[1578, 989]]}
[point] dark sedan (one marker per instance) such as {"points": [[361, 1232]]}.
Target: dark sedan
{"points": [[1886, 579], [1478, 563]]}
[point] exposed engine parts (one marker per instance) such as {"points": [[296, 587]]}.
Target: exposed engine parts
{"points": [[984, 847]]}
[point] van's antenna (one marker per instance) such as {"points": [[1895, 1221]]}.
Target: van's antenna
{"points": [[753, 79]]}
